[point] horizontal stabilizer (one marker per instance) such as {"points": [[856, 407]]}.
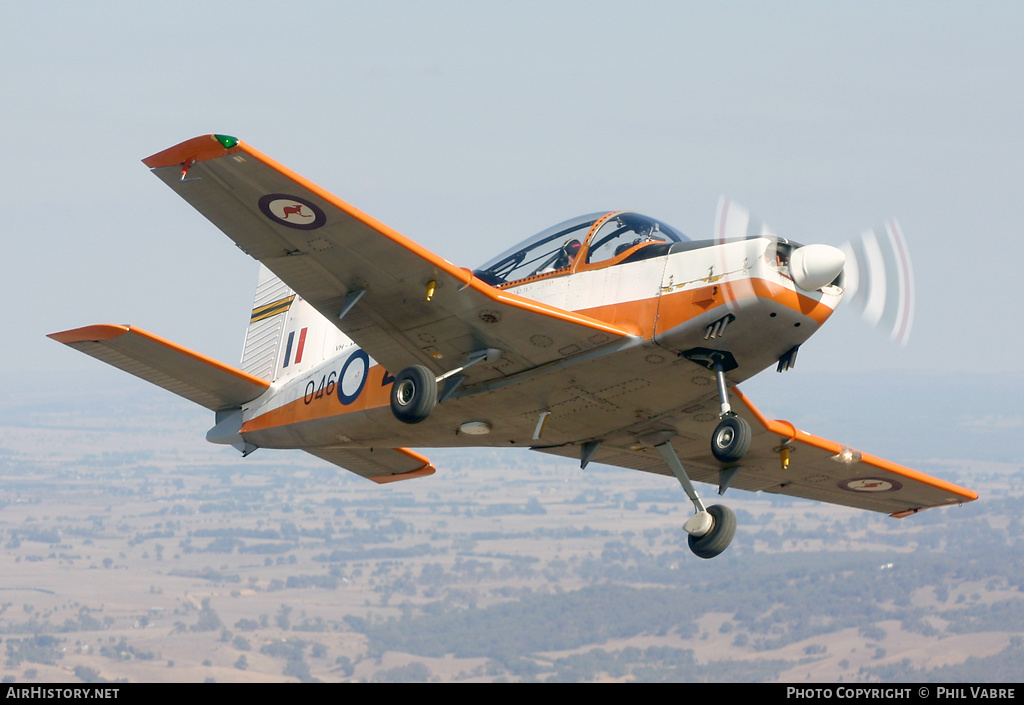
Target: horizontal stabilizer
{"points": [[382, 465], [186, 373]]}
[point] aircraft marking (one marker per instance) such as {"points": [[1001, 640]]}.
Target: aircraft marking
{"points": [[292, 211], [271, 309], [288, 347], [349, 382], [870, 484], [327, 385]]}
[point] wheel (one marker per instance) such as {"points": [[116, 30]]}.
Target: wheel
{"points": [[718, 539], [731, 439], [413, 394]]}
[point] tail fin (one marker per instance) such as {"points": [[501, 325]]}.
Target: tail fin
{"points": [[286, 335], [269, 315]]}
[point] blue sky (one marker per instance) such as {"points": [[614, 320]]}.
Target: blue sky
{"points": [[468, 126]]}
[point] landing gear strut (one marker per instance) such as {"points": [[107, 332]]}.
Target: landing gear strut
{"points": [[710, 530], [731, 439], [414, 394]]}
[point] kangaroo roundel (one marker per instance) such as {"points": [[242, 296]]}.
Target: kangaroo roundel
{"points": [[292, 211]]}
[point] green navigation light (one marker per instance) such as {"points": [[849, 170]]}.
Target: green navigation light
{"points": [[226, 141]]}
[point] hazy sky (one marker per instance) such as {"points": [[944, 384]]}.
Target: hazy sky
{"points": [[468, 126]]}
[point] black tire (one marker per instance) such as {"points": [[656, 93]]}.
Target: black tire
{"points": [[718, 539], [413, 394], [731, 440]]}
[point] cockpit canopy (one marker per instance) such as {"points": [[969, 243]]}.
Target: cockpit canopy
{"points": [[586, 242]]}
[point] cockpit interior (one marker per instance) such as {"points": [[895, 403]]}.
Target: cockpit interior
{"points": [[587, 242]]}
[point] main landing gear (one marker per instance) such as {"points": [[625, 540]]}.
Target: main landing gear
{"points": [[711, 529], [414, 393]]}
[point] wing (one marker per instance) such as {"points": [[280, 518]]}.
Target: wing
{"points": [[817, 468], [188, 374], [382, 465], [398, 301]]}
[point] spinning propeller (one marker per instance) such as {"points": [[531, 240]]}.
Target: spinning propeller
{"points": [[877, 274]]}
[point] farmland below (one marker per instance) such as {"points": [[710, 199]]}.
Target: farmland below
{"points": [[132, 551]]}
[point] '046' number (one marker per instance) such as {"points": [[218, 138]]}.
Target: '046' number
{"points": [[348, 383], [327, 384]]}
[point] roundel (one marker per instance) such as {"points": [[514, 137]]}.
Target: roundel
{"points": [[352, 378], [292, 211], [870, 484]]}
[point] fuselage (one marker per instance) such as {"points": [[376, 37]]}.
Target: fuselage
{"points": [[677, 298]]}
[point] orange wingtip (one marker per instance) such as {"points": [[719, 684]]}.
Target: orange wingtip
{"points": [[89, 334], [197, 149], [424, 471]]}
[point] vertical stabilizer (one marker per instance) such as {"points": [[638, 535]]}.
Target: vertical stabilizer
{"points": [[286, 335], [266, 325]]}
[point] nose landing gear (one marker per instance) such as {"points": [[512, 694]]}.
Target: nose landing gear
{"points": [[731, 439]]}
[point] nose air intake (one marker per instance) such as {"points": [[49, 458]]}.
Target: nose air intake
{"points": [[815, 266]]}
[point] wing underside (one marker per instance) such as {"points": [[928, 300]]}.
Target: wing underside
{"points": [[817, 468], [398, 301]]}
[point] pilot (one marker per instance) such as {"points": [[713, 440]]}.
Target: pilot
{"points": [[569, 251]]}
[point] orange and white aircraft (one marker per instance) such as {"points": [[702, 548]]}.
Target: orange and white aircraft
{"points": [[609, 338]]}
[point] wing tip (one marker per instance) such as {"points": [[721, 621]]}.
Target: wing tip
{"points": [[967, 496], [89, 334], [424, 470], [197, 149]]}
